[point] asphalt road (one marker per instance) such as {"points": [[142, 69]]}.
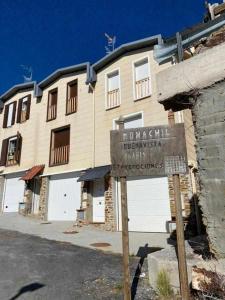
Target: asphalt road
{"points": [[36, 268]]}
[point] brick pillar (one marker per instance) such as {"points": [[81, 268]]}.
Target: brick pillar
{"points": [[110, 222], [43, 205]]}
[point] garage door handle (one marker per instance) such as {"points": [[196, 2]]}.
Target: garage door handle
{"points": [[64, 195]]}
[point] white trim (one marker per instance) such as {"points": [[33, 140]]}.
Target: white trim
{"points": [[65, 172], [130, 116], [106, 87], [134, 79], [18, 171]]}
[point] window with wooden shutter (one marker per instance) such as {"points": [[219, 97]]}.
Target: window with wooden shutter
{"points": [[5, 120], [13, 114], [12, 150], [52, 104], [23, 113], [4, 152], [18, 148], [71, 101], [60, 145]]}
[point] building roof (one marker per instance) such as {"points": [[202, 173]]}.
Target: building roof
{"points": [[17, 88], [95, 173], [143, 43], [63, 71], [34, 171]]}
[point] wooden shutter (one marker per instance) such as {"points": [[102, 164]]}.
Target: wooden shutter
{"points": [[14, 113], [18, 119], [4, 152], [18, 147], [5, 116], [28, 107]]}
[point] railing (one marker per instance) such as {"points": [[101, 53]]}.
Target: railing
{"points": [[113, 98], [71, 105], [11, 160], [52, 112], [23, 116], [142, 88], [59, 155]]}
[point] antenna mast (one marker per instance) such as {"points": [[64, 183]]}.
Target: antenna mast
{"points": [[111, 41], [27, 77]]}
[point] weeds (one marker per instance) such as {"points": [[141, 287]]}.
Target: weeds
{"points": [[164, 288]]}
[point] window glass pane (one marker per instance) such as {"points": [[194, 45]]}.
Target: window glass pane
{"points": [[133, 122], [24, 104], [113, 81], [141, 70], [10, 113], [12, 147]]}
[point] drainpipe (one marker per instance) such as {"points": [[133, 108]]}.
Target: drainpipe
{"points": [[90, 85]]}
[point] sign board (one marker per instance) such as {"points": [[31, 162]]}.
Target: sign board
{"points": [[149, 151]]}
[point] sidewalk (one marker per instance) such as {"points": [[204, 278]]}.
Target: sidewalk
{"points": [[86, 235]]}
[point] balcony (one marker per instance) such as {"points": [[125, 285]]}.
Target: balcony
{"points": [[60, 155], [51, 112], [113, 99], [142, 88], [71, 105], [11, 160]]}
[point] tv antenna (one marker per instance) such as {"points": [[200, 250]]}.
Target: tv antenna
{"points": [[27, 77], [111, 41]]}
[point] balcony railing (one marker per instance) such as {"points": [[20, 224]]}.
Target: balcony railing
{"points": [[59, 155], [113, 98], [52, 112], [11, 160], [142, 88], [71, 105]]}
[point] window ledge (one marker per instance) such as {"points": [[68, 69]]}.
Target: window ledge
{"points": [[60, 164], [109, 108], [142, 98]]}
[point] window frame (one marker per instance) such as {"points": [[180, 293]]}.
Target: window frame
{"points": [[19, 109], [134, 63], [50, 92], [17, 155], [51, 142], [129, 116], [106, 88], [67, 95]]}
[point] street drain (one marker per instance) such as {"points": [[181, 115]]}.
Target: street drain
{"points": [[45, 223], [100, 245]]}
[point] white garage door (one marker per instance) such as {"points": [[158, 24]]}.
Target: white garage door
{"points": [[14, 193], [64, 197], [148, 204]]}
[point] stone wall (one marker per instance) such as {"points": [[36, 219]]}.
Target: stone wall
{"points": [[110, 219], [209, 121], [43, 204]]}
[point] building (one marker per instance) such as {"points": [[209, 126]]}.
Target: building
{"points": [[55, 138]]}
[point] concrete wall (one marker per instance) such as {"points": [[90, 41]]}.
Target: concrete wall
{"points": [[209, 116]]}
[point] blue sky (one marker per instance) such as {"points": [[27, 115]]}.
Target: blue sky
{"points": [[49, 34]]}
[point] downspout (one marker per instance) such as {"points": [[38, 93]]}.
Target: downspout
{"points": [[90, 85]]}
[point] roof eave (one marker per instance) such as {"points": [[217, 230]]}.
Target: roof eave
{"points": [[15, 89], [63, 71]]}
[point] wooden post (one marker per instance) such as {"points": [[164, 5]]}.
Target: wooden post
{"points": [[125, 233], [182, 265]]}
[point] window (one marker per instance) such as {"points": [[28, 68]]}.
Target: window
{"points": [[23, 113], [52, 104], [142, 79], [9, 115], [113, 90], [11, 151], [131, 121], [60, 146], [71, 101]]}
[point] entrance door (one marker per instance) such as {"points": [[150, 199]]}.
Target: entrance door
{"points": [[14, 193], [99, 201]]}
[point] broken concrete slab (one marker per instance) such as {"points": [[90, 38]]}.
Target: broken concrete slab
{"points": [[166, 259]]}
